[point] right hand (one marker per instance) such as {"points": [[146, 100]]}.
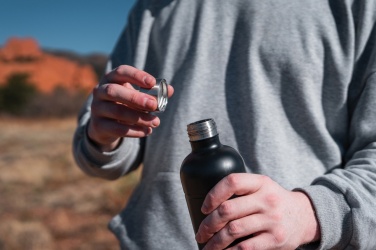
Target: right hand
{"points": [[118, 110]]}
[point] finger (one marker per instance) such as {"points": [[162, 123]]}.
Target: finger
{"points": [[241, 229], [228, 211], [125, 115], [126, 73], [262, 241], [170, 90], [113, 129], [125, 95], [233, 184]]}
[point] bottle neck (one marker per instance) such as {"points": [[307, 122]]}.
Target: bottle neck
{"points": [[203, 135], [206, 144], [202, 130]]}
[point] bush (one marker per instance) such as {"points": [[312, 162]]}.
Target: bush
{"points": [[19, 97], [60, 103], [16, 94]]}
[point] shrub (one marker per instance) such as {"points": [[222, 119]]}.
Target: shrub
{"points": [[19, 97], [60, 103], [16, 94]]}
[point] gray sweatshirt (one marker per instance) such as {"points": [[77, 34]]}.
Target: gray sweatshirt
{"points": [[290, 84]]}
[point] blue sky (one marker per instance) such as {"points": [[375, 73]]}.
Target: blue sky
{"points": [[77, 25]]}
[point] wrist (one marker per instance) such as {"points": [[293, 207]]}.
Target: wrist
{"points": [[310, 224], [107, 146]]}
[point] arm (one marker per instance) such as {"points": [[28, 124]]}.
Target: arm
{"points": [[106, 142], [111, 129], [345, 198], [342, 201]]}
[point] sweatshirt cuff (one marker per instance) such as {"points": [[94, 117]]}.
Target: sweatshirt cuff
{"points": [[333, 214], [97, 157]]}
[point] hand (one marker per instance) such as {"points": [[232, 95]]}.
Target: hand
{"points": [[275, 217], [118, 110]]}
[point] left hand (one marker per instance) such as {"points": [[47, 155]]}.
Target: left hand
{"points": [[277, 218]]}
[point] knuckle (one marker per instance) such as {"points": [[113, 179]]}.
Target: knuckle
{"points": [[277, 217], [210, 199], [204, 227], [273, 200], [232, 180], [245, 246], [110, 90], [139, 75], [217, 241], [280, 237], [225, 209], [98, 92], [133, 97], [120, 69], [95, 91], [265, 179], [234, 228]]}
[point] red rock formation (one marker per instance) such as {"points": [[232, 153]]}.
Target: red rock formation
{"points": [[20, 48], [46, 71]]}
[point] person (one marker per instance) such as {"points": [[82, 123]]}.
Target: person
{"points": [[290, 84]]}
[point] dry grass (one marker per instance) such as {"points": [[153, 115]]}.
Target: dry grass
{"points": [[46, 202]]}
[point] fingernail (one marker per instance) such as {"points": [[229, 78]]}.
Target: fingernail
{"points": [[150, 104], [204, 209], [149, 80], [149, 131], [155, 123]]}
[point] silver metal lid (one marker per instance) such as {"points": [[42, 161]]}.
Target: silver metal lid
{"points": [[202, 129], [159, 91]]}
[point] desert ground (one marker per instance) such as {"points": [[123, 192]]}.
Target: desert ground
{"points": [[46, 202]]}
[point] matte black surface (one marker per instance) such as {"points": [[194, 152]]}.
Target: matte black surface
{"points": [[207, 164]]}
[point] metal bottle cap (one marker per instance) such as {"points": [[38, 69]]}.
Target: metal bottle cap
{"points": [[159, 91]]}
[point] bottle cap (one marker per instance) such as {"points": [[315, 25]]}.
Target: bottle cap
{"points": [[159, 91]]}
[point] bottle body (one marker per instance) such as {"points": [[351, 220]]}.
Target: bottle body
{"points": [[207, 164]]}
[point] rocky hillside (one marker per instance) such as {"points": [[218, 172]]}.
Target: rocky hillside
{"points": [[49, 69]]}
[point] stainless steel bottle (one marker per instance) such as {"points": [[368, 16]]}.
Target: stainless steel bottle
{"points": [[205, 166]]}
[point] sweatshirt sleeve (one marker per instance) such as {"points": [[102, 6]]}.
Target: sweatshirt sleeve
{"points": [[128, 155], [345, 198], [108, 165]]}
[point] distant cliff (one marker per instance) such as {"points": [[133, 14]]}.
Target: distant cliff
{"points": [[49, 69]]}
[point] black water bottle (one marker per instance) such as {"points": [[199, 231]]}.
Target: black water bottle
{"points": [[207, 164]]}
